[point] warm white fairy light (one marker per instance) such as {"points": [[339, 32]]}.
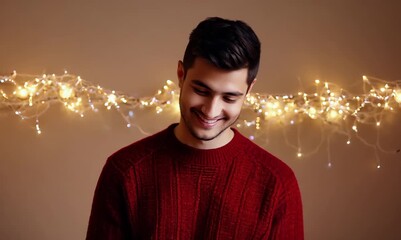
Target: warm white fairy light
{"points": [[29, 96], [66, 91], [397, 95], [21, 93], [38, 131]]}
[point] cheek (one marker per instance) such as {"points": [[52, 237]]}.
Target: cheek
{"points": [[233, 109], [190, 99]]}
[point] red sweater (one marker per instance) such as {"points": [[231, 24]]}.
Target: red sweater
{"points": [[159, 188]]}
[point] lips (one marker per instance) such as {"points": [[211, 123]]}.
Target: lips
{"points": [[206, 123]]}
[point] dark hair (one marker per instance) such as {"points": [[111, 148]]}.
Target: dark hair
{"points": [[227, 44]]}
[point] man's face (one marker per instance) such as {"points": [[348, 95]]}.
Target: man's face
{"points": [[210, 102]]}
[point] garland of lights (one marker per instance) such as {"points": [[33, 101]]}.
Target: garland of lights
{"points": [[30, 96]]}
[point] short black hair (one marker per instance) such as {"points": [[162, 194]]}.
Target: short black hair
{"points": [[227, 44]]}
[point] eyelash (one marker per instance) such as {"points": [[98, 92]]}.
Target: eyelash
{"points": [[228, 100], [200, 92], [205, 93]]}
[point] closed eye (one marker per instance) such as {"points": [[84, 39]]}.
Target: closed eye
{"points": [[230, 99], [201, 92]]}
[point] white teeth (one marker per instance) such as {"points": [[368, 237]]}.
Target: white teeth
{"points": [[207, 121]]}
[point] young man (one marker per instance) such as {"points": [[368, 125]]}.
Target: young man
{"points": [[201, 179]]}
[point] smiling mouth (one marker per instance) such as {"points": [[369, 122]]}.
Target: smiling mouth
{"points": [[206, 122]]}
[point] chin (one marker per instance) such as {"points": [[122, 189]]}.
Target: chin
{"points": [[208, 134], [205, 137]]}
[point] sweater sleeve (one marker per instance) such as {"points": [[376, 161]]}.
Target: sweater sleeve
{"points": [[288, 219], [109, 216]]}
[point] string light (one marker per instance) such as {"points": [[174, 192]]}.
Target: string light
{"points": [[29, 96]]}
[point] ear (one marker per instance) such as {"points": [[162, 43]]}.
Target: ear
{"points": [[180, 73], [251, 86]]}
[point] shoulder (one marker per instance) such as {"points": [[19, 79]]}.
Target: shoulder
{"points": [[267, 163], [139, 151]]}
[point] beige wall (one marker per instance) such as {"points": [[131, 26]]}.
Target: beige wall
{"points": [[47, 181]]}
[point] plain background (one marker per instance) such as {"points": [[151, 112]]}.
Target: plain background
{"points": [[47, 181]]}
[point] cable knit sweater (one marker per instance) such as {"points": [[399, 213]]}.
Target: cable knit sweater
{"points": [[159, 188]]}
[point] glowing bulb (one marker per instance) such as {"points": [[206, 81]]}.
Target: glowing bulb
{"points": [[299, 154], [66, 91], [397, 95], [365, 78], [312, 112], [22, 93], [386, 106], [317, 81], [270, 105], [111, 98], [38, 131], [348, 142], [378, 124], [333, 115], [31, 88]]}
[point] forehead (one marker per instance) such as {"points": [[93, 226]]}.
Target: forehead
{"points": [[216, 78]]}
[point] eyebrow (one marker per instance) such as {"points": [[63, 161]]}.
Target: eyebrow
{"points": [[201, 84]]}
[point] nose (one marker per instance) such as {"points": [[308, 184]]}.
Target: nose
{"points": [[212, 108]]}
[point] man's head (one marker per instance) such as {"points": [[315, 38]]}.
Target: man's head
{"points": [[219, 68], [227, 44]]}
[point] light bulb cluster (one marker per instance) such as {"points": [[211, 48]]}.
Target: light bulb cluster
{"points": [[328, 103], [29, 96]]}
